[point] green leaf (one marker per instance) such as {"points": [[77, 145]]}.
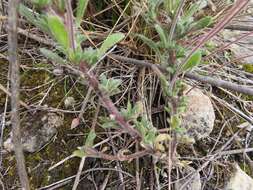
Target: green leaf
{"points": [[109, 42], [108, 123], [248, 67], [41, 3], [191, 11], [171, 5], [132, 112], [90, 55], [79, 153], [81, 7], [52, 56], [58, 31], [90, 139], [110, 86], [80, 38], [162, 35], [34, 18], [193, 61], [165, 85], [149, 138], [76, 56], [151, 134], [149, 42], [142, 130], [60, 6], [202, 23], [175, 122]]}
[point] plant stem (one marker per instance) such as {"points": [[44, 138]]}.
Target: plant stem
{"points": [[15, 84], [175, 19], [70, 24], [108, 104], [194, 76]]}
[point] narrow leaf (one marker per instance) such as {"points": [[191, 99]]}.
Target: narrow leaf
{"points": [[41, 3], [202, 23], [90, 139], [79, 153], [191, 11], [33, 17], [81, 7], [58, 31], [109, 42], [149, 42], [193, 61], [90, 55], [52, 56], [162, 34]]}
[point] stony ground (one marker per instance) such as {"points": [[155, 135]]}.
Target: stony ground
{"points": [[211, 155]]}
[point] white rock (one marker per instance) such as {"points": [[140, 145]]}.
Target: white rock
{"points": [[69, 102], [198, 120], [239, 180], [189, 181]]}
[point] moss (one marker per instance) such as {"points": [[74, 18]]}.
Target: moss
{"points": [[54, 152], [3, 80], [62, 145], [245, 167], [248, 68]]}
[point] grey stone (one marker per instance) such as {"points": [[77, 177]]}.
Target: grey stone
{"points": [[239, 180], [242, 49], [189, 181], [36, 131], [69, 102], [198, 120]]}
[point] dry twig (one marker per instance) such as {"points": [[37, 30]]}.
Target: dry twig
{"points": [[15, 84], [205, 79]]}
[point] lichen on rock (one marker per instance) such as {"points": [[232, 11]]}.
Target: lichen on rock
{"points": [[199, 117], [36, 131]]}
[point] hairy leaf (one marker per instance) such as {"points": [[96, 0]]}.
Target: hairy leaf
{"points": [[58, 31], [149, 138], [191, 11], [171, 5], [109, 42], [90, 55], [202, 23], [108, 123], [193, 61], [79, 153], [132, 112], [110, 86], [60, 5], [149, 42], [90, 139], [52, 56], [81, 7], [41, 3], [175, 122], [162, 34], [34, 18]]}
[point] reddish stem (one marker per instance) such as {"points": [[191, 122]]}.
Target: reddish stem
{"points": [[108, 104]]}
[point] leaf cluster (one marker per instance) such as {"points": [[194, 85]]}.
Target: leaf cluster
{"points": [[55, 25], [134, 115], [185, 24]]}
